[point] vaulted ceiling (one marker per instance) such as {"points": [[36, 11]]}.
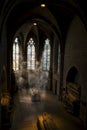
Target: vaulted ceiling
{"points": [[57, 14]]}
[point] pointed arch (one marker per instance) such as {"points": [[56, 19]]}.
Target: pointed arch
{"points": [[72, 75], [31, 54], [46, 55], [16, 54]]}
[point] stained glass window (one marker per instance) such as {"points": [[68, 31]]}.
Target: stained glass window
{"points": [[16, 54], [31, 55], [46, 56]]}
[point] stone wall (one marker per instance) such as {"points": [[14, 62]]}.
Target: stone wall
{"points": [[76, 55]]}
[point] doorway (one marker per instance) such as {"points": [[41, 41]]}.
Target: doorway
{"points": [[73, 91]]}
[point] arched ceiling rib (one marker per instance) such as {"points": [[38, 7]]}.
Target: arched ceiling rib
{"points": [[17, 19], [61, 11]]}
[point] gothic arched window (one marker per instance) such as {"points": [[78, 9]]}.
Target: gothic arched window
{"points": [[31, 54], [46, 55], [16, 54]]}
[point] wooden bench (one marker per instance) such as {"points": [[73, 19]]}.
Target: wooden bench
{"points": [[46, 122]]}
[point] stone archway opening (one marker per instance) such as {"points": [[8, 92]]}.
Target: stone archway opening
{"points": [[72, 75], [73, 91]]}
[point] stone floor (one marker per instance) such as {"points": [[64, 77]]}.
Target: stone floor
{"points": [[26, 112]]}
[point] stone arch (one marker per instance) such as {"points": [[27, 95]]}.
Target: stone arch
{"points": [[73, 91], [72, 75]]}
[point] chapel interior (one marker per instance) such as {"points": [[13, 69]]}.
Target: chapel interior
{"points": [[43, 65]]}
